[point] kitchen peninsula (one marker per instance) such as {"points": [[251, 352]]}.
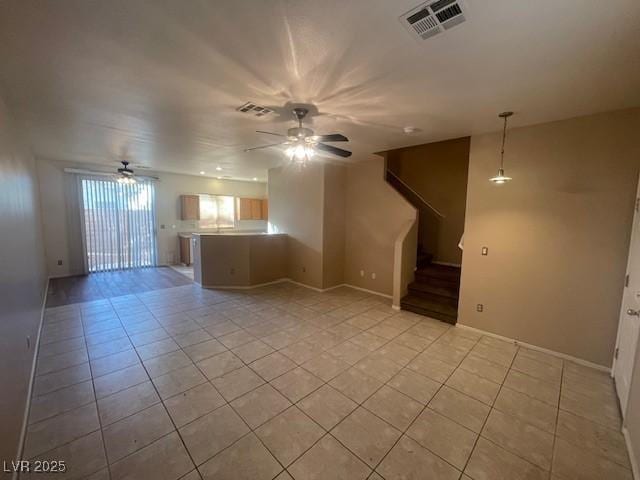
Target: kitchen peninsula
{"points": [[237, 259]]}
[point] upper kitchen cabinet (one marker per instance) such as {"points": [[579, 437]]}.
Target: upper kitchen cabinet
{"points": [[252, 209], [190, 207]]}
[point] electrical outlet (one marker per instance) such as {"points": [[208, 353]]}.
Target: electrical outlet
{"points": [[59, 262], [480, 307], [362, 273], [485, 251], [373, 276]]}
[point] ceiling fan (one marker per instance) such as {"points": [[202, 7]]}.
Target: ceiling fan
{"points": [[302, 144], [125, 174]]}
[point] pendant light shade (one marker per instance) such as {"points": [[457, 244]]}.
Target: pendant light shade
{"points": [[501, 178]]}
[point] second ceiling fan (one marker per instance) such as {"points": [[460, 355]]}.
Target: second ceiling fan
{"points": [[302, 143]]}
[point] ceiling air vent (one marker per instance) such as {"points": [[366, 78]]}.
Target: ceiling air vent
{"points": [[254, 109], [433, 17]]}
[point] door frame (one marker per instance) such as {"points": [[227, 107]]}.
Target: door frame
{"points": [[623, 307]]}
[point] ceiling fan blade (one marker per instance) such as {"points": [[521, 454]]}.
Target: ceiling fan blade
{"points": [[335, 150], [271, 133], [333, 137], [263, 146]]}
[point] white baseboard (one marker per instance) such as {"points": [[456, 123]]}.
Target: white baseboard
{"points": [[300, 284], [580, 361], [635, 468], [64, 275], [366, 290], [244, 287], [32, 376], [294, 282]]}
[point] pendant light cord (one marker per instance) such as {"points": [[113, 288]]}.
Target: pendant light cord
{"points": [[504, 137]]}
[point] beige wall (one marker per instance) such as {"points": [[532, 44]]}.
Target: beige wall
{"points": [[295, 208], [438, 172], [239, 260], [335, 179], [404, 262], [375, 214], [557, 234], [267, 258], [61, 218], [22, 279]]}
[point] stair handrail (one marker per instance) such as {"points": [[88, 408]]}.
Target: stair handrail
{"points": [[420, 197]]}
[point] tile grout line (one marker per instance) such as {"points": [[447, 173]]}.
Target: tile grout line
{"points": [[209, 381], [324, 383], [555, 430], [268, 382], [321, 329], [95, 396], [150, 379], [489, 414], [403, 433]]}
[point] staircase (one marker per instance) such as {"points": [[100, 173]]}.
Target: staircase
{"points": [[435, 289], [434, 292]]}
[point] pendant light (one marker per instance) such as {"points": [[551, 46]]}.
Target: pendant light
{"points": [[501, 177]]}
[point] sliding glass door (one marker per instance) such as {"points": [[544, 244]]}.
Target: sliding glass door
{"points": [[119, 224]]}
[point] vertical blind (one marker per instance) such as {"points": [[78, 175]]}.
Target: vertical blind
{"points": [[119, 224]]}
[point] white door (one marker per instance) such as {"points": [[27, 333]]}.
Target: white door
{"points": [[629, 326]]}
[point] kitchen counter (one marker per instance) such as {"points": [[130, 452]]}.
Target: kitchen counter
{"points": [[238, 259]]}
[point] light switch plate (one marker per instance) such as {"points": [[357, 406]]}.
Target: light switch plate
{"points": [[485, 251]]}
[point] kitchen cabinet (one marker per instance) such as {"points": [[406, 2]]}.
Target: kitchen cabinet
{"points": [[256, 209], [190, 207], [253, 209], [244, 209], [185, 249]]}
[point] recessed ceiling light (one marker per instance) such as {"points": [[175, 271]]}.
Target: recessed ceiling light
{"points": [[255, 179], [219, 169], [409, 129], [219, 178], [201, 173]]}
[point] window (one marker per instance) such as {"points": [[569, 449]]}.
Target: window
{"points": [[217, 211]]}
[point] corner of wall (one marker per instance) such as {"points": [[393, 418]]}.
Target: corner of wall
{"points": [[374, 215]]}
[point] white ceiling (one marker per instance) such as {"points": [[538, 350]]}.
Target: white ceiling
{"points": [[162, 79]]}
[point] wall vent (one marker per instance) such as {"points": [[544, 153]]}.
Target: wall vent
{"points": [[433, 17], [253, 109]]}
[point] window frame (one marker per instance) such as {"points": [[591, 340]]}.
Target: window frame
{"points": [[217, 226]]}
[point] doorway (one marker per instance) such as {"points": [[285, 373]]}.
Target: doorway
{"points": [[119, 224], [629, 325]]}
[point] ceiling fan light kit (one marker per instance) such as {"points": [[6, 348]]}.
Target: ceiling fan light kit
{"points": [[501, 178], [302, 144], [125, 174]]}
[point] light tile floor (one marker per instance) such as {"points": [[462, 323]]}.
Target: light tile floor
{"points": [[283, 382]]}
